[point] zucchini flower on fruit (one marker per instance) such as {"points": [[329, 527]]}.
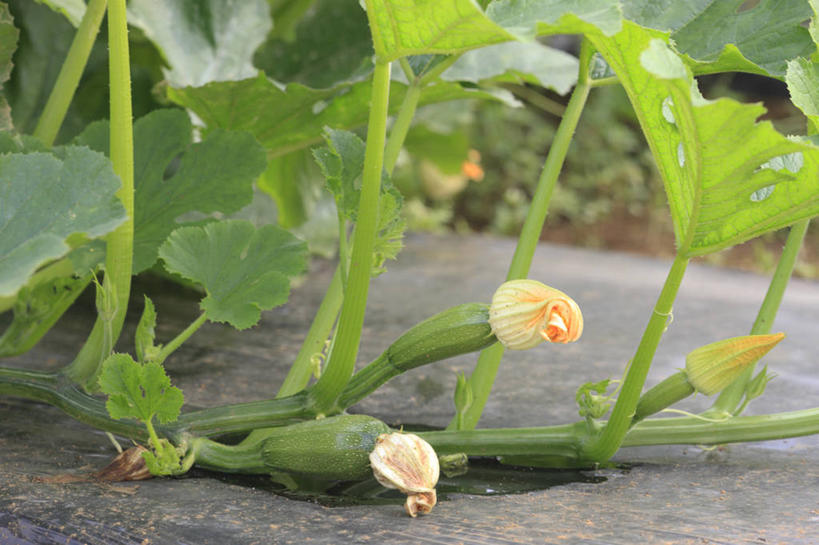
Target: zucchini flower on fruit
{"points": [[408, 463], [525, 313]]}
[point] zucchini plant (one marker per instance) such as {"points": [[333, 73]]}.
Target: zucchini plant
{"points": [[89, 202]]}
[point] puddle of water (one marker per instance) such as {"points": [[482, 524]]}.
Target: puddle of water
{"points": [[486, 477]]}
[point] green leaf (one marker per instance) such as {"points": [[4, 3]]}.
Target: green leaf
{"points": [[37, 309], [518, 63], [331, 45], [8, 44], [214, 175], [295, 117], [401, 28], [73, 10], [713, 156], [44, 200], [722, 37], [139, 391], [243, 269], [341, 162], [203, 40], [146, 350], [592, 400], [527, 18], [802, 78]]}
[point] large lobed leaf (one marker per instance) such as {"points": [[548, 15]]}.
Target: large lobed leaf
{"points": [[244, 270], [214, 175], [728, 178], [44, 200]]}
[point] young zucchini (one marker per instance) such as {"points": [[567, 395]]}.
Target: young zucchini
{"points": [[458, 330], [454, 331], [337, 447]]}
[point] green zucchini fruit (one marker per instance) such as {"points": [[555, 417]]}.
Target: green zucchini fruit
{"points": [[457, 330], [337, 447]]}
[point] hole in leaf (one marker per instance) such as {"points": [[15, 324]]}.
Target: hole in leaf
{"points": [[762, 194], [791, 162], [668, 114], [680, 155], [319, 106]]}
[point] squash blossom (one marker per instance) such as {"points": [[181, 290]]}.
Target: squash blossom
{"points": [[525, 313], [408, 463]]}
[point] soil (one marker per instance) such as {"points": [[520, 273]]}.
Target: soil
{"points": [[653, 236]]}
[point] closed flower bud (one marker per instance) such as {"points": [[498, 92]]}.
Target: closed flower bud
{"points": [[714, 366], [408, 463], [525, 313]]}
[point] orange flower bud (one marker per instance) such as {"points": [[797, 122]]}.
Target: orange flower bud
{"points": [[525, 313]]}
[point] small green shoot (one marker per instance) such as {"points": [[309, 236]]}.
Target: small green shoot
{"points": [[592, 401], [144, 391]]}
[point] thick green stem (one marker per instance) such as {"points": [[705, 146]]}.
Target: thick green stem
{"points": [[603, 447], [729, 399], [170, 347], [341, 362], [228, 458], [671, 390], [483, 377], [562, 441], [119, 244], [69, 77]]}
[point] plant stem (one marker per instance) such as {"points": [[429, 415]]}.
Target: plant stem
{"points": [[119, 243], [299, 374], [401, 126], [729, 398], [69, 77], [483, 376], [341, 362], [563, 440], [603, 447], [170, 347], [228, 458]]}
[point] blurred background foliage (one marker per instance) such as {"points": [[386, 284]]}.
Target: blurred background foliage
{"points": [[467, 165]]}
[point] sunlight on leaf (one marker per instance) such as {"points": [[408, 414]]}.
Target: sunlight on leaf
{"points": [[413, 27], [203, 41], [73, 10], [715, 155]]}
